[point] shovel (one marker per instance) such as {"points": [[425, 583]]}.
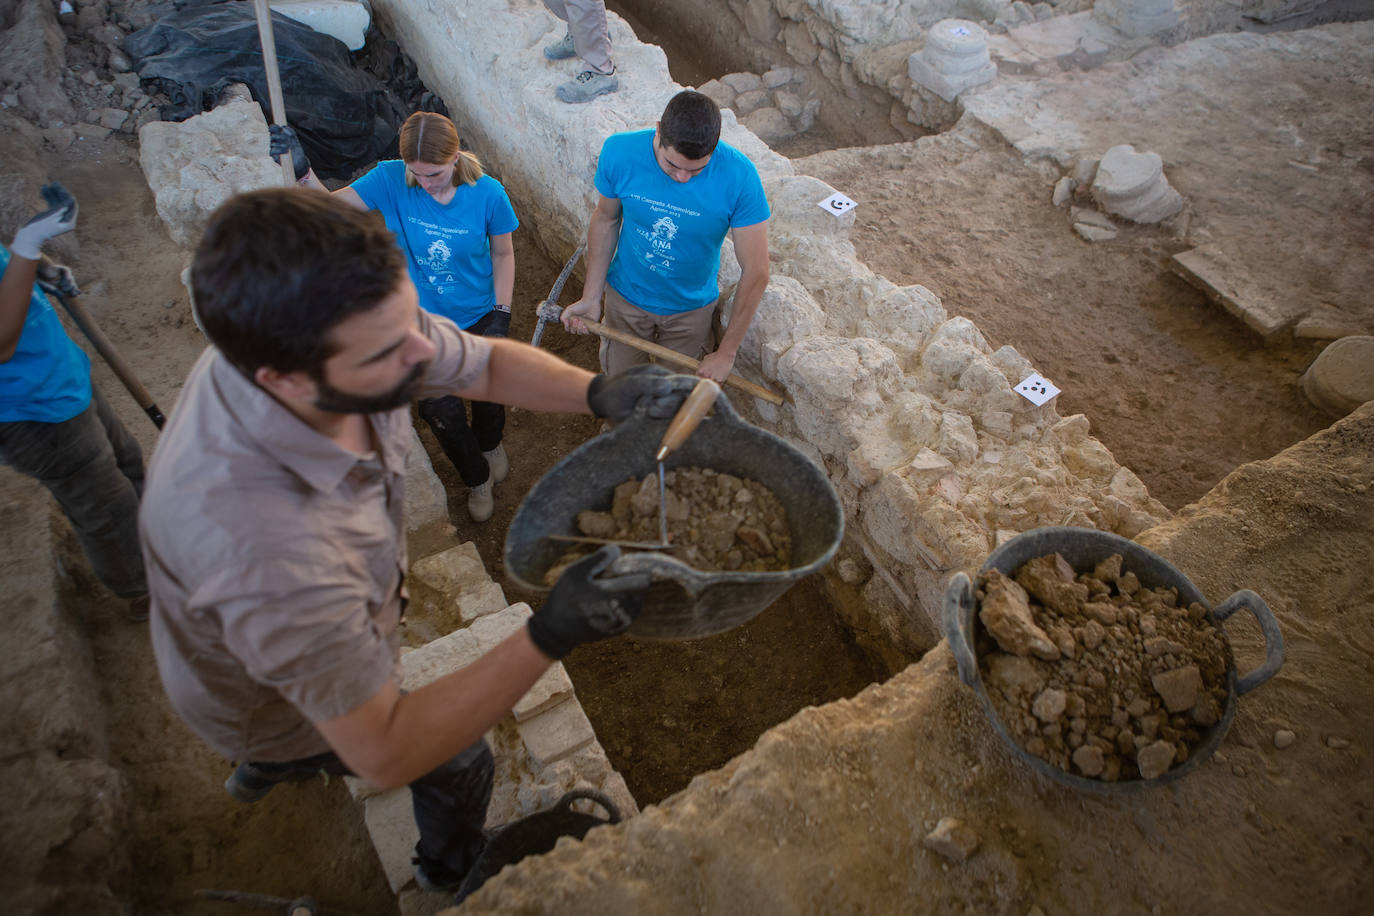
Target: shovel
{"points": [[683, 424]]}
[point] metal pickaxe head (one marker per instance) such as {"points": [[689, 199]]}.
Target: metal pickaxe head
{"points": [[549, 308]]}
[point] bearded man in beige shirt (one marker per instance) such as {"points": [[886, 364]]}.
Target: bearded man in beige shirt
{"points": [[272, 520]]}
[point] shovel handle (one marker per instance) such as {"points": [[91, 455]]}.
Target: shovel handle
{"points": [[678, 359], [688, 417]]}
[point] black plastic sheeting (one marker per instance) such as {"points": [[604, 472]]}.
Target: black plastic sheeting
{"points": [[345, 117]]}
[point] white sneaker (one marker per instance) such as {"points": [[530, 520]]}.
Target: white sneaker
{"points": [[498, 462], [480, 502]]}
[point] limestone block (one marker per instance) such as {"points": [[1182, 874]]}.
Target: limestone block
{"points": [[779, 77], [1132, 185], [750, 101], [837, 382], [1342, 376], [958, 440], [761, 21], [1063, 190], [346, 20], [915, 417], [557, 733], [769, 125], [34, 57], [460, 581], [1136, 18], [438, 658], [743, 82], [194, 165], [390, 821], [955, 58], [786, 314], [552, 688], [788, 102], [793, 201], [718, 92], [1090, 233], [903, 318], [919, 529], [493, 628], [113, 118], [800, 46], [426, 501], [990, 388], [951, 348]]}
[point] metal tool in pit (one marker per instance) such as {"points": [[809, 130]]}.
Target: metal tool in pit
{"points": [[549, 309]]}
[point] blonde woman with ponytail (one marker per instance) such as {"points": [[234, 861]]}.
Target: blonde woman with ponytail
{"points": [[454, 223]]}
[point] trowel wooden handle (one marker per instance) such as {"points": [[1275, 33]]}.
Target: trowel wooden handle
{"points": [[678, 359], [688, 417]]}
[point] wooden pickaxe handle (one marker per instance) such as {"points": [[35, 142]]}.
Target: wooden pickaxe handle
{"points": [[676, 358], [83, 320]]}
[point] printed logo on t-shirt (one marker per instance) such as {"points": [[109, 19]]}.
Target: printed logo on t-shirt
{"points": [[658, 238], [437, 259]]}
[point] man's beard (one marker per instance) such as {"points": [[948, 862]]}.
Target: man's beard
{"points": [[335, 401]]}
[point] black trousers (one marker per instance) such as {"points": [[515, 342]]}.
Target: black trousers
{"points": [[448, 417], [450, 801], [94, 468]]}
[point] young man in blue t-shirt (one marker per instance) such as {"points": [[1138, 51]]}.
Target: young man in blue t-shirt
{"points": [[667, 198], [55, 426]]}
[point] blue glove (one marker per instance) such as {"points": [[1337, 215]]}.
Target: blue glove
{"points": [[583, 608]]}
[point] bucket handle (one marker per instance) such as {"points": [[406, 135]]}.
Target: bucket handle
{"points": [[1273, 639], [565, 803], [958, 599]]}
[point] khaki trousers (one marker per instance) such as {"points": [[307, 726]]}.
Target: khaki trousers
{"points": [[688, 333]]}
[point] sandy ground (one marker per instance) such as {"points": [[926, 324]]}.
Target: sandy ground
{"points": [[1180, 393]]}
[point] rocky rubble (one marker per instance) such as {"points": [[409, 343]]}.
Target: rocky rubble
{"points": [[715, 521], [1096, 674]]}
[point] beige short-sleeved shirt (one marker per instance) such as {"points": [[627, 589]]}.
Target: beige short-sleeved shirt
{"points": [[276, 559]]}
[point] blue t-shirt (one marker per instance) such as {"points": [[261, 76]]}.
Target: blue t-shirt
{"points": [[668, 254], [447, 246], [48, 379]]}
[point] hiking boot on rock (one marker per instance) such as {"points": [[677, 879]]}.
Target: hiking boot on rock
{"points": [[588, 85], [561, 49]]}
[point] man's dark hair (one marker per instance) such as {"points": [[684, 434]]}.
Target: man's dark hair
{"points": [[690, 124], [278, 269]]}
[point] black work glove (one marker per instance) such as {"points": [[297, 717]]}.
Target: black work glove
{"points": [[498, 324], [283, 139], [582, 608], [615, 397], [57, 280]]}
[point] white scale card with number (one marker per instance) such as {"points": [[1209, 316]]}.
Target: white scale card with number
{"points": [[1036, 388], [837, 204]]}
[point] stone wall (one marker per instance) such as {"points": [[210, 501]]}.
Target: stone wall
{"points": [[911, 413]]}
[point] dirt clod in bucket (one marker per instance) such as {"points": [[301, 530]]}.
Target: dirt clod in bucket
{"points": [[1095, 674], [715, 522]]}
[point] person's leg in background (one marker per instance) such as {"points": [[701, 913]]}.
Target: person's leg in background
{"points": [[588, 38], [450, 805], [77, 462], [488, 419]]}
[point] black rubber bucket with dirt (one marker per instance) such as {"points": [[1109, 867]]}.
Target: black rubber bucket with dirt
{"points": [[536, 834], [1083, 549], [682, 602]]}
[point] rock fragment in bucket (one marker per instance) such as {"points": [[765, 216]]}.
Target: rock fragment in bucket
{"points": [[716, 521], [1095, 674]]}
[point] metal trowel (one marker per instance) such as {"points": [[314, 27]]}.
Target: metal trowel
{"points": [[683, 424]]}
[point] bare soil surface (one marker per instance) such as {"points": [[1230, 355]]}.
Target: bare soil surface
{"points": [[1179, 390]]}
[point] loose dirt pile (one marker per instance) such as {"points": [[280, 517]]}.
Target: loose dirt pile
{"points": [[715, 521], [1098, 675]]}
